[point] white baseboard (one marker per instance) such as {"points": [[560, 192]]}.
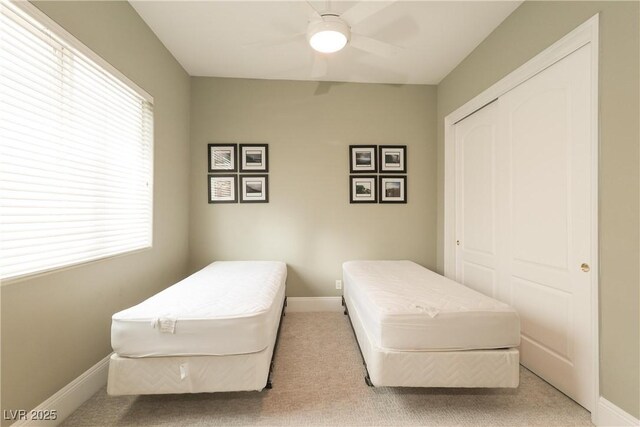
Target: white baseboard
{"points": [[297, 304], [71, 396], [609, 414]]}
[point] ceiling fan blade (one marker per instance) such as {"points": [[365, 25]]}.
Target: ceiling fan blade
{"points": [[374, 46], [313, 11], [320, 66], [364, 9]]}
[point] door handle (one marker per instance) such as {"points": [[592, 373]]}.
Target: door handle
{"points": [[585, 267]]}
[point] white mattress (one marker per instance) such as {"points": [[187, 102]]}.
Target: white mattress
{"points": [[406, 307], [229, 307]]}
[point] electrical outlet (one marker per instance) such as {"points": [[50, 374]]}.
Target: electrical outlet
{"points": [[338, 284]]}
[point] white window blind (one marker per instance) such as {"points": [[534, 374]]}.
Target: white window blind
{"points": [[76, 151]]}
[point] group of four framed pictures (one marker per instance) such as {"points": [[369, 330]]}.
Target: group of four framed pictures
{"points": [[374, 172], [252, 182]]}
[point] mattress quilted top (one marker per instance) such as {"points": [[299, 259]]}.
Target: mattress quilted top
{"points": [[223, 289], [404, 287]]}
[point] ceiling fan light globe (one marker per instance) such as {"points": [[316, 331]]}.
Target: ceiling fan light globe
{"points": [[329, 34], [328, 41]]}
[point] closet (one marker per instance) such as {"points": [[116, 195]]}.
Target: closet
{"points": [[523, 215]]}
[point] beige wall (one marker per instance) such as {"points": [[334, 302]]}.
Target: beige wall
{"points": [[530, 29], [56, 326], [309, 222]]}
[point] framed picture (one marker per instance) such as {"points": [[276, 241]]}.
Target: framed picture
{"points": [[393, 159], [254, 157], [362, 189], [222, 158], [223, 189], [393, 189], [254, 189], [362, 158]]}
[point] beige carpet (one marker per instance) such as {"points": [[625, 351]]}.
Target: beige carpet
{"points": [[318, 380]]}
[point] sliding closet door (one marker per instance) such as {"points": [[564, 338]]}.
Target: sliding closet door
{"points": [[476, 139], [523, 216], [547, 125]]}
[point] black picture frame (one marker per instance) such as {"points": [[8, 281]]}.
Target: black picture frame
{"points": [[258, 192], [363, 159], [215, 180], [392, 158], [254, 158], [364, 196], [227, 153], [389, 195]]}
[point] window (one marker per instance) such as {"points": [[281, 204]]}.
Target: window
{"points": [[76, 150]]}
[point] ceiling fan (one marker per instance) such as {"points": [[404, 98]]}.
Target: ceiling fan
{"points": [[329, 32]]}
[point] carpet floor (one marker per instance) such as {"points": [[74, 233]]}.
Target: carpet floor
{"points": [[318, 380]]}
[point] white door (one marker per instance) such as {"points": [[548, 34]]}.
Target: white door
{"points": [[547, 124], [540, 175], [476, 139]]}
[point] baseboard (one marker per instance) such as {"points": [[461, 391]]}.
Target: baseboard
{"points": [[71, 396], [298, 304], [609, 414]]}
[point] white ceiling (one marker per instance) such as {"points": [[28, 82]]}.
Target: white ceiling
{"points": [[245, 39]]}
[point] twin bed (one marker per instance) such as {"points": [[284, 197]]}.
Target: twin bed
{"points": [[416, 328], [214, 331], [217, 330]]}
